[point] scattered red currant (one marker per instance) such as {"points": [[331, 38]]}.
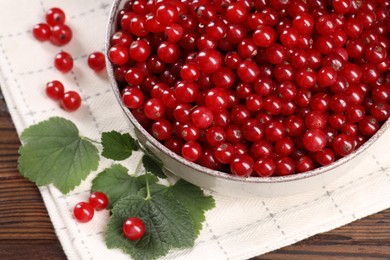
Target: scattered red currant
{"points": [[83, 212], [96, 61], [55, 90], [71, 101], [98, 200], [61, 34], [42, 32], [55, 16], [133, 228], [63, 62]]}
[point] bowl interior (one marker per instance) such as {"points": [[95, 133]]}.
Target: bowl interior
{"points": [[141, 132]]}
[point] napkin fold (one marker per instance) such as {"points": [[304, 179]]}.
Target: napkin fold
{"points": [[238, 228]]}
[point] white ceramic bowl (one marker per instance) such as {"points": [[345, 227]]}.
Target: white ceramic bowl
{"points": [[225, 183]]}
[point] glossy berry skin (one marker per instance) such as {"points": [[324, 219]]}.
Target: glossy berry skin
{"points": [[133, 228], [242, 165], [209, 61], [71, 101], [139, 50], [61, 34], [314, 140], [83, 212], [202, 117], [55, 16], [154, 109], [55, 90], [98, 200], [264, 167], [168, 52], [96, 61], [41, 32], [133, 97], [162, 129], [285, 166], [343, 144], [118, 54], [167, 14], [192, 151], [63, 62]]}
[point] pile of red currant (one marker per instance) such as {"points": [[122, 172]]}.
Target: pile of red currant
{"points": [[60, 34], [255, 87], [133, 228]]}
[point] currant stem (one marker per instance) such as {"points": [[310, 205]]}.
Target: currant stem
{"points": [[148, 196], [89, 139], [139, 165]]}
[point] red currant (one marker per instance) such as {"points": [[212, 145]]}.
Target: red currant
{"points": [[83, 212], [71, 101], [98, 200], [133, 228], [96, 61], [55, 16], [61, 34], [42, 32], [55, 90]]}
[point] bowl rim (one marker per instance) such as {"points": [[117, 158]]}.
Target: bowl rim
{"points": [[214, 173]]}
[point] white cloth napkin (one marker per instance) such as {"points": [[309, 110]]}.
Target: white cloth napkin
{"points": [[237, 228]]}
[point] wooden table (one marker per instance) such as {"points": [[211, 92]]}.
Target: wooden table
{"points": [[27, 233]]}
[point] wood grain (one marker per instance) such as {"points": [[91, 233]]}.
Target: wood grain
{"points": [[27, 233]]}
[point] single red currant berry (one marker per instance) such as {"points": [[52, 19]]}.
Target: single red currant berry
{"points": [[209, 61], [98, 200], [264, 167], [168, 52], [96, 61], [167, 13], [139, 50], [118, 54], [55, 90], [60, 35], [55, 16], [368, 126], [191, 151], [162, 129], [224, 153], [71, 101], [42, 32], [314, 140], [285, 166], [216, 99], [264, 36], [242, 165], [63, 62], [154, 109], [380, 111], [325, 156], [133, 228], [202, 117], [343, 144], [303, 164], [83, 212], [133, 97]]}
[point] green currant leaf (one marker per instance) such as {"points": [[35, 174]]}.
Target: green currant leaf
{"points": [[194, 200], [153, 189], [168, 225], [117, 146], [53, 152], [116, 182], [153, 166]]}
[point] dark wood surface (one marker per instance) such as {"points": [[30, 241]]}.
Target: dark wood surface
{"points": [[27, 233]]}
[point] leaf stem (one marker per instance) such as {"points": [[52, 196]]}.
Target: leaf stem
{"points": [[89, 139], [139, 165], [148, 196]]}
